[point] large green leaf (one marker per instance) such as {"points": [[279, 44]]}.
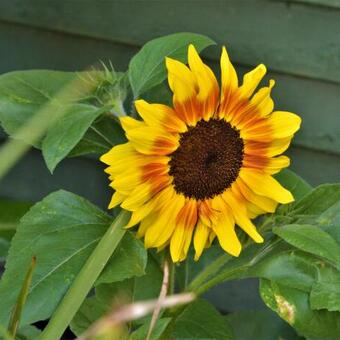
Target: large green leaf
{"points": [[61, 231], [129, 260], [63, 136], [293, 306], [147, 67], [311, 239], [262, 325], [200, 320]]}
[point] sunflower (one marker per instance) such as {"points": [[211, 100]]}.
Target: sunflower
{"points": [[205, 165]]}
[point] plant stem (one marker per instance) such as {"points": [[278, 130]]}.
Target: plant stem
{"points": [[210, 270], [85, 279], [19, 306], [172, 273]]}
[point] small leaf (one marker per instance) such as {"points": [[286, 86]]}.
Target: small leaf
{"points": [[61, 231], [62, 137], [311, 239], [293, 306], [129, 260], [200, 320], [147, 67]]}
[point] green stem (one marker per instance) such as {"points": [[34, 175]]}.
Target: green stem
{"points": [[210, 270], [172, 272], [85, 279], [19, 306]]}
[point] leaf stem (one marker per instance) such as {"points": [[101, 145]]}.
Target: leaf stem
{"points": [[85, 279]]}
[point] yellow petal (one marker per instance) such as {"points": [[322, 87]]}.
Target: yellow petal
{"points": [[229, 80], [208, 92], [239, 212], [118, 152], [262, 100], [138, 197], [200, 239], [162, 229], [181, 238], [129, 123], [159, 115], [265, 203], [265, 185], [116, 199], [251, 80], [225, 230], [152, 141], [181, 80]]}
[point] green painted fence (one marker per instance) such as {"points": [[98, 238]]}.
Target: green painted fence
{"points": [[299, 41]]}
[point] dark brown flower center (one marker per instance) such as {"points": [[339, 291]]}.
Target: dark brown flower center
{"points": [[208, 159]]}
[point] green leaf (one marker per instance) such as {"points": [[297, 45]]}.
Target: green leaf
{"points": [[129, 260], [200, 320], [318, 200], [325, 292], [63, 136], [311, 239], [292, 305], [61, 231], [103, 134], [28, 332], [294, 183], [260, 324], [147, 67], [141, 332]]}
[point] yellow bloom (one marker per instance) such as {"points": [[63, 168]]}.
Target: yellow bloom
{"points": [[204, 166]]}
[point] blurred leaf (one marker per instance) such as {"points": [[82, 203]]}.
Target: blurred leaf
{"points": [[63, 136], [141, 332], [293, 306], [200, 320], [311, 239], [325, 292], [129, 260], [61, 231], [103, 134], [147, 67], [330, 221], [23, 93], [111, 295], [294, 183], [260, 324]]}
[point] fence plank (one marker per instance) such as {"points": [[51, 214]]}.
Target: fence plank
{"points": [[301, 40]]}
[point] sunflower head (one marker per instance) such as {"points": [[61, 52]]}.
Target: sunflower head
{"points": [[204, 166]]}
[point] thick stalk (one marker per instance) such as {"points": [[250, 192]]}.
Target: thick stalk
{"points": [[85, 279]]}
